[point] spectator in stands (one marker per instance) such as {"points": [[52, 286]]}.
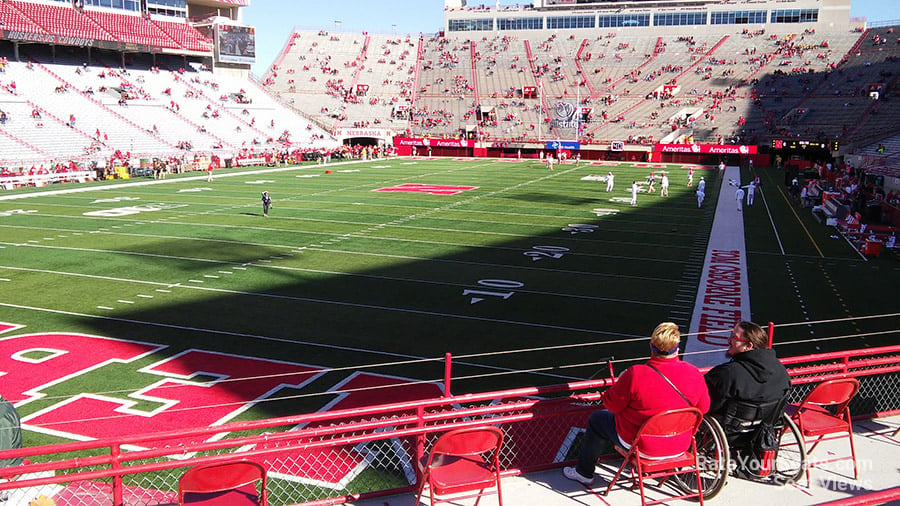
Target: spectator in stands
{"points": [[643, 390], [3, 118], [754, 373]]}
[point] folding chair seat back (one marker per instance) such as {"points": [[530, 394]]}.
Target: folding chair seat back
{"points": [[837, 392], [229, 483], [824, 409], [466, 442], [672, 429], [463, 460]]}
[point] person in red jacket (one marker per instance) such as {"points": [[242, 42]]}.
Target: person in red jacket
{"points": [[639, 393]]}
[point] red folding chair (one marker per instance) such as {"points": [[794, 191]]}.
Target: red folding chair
{"points": [[227, 484], [675, 423], [823, 412], [463, 461]]}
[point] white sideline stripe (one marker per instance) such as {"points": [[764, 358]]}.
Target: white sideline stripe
{"points": [[727, 234]]}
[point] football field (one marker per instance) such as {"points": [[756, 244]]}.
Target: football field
{"points": [[526, 276], [370, 264]]}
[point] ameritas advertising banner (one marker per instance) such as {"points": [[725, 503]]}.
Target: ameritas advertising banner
{"points": [[703, 149]]}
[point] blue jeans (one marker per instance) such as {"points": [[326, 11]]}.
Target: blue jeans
{"points": [[599, 439]]}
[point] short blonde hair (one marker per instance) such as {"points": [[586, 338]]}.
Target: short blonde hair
{"points": [[665, 337]]}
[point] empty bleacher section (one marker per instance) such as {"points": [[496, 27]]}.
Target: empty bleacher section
{"points": [[184, 35], [61, 20], [132, 29], [13, 19]]}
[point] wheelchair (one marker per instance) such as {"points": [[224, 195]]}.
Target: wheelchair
{"points": [[726, 447]]}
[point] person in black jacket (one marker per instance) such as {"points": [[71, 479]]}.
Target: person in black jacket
{"points": [[753, 374], [747, 396]]}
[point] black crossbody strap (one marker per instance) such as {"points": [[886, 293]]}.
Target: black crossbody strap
{"points": [[669, 382]]}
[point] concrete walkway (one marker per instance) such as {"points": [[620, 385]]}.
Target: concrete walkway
{"points": [[878, 453]]}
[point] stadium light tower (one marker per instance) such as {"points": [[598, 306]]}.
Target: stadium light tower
{"points": [[337, 24]]}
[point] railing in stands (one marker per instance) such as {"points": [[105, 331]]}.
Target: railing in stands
{"points": [[335, 456], [581, 75], [420, 55], [37, 151], [539, 83], [473, 56]]}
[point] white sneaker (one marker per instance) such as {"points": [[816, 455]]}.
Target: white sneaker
{"points": [[572, 474]]}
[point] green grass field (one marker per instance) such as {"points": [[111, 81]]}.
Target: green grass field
{"points": [[343, 276]]}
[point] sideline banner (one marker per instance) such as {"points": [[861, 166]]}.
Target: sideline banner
{"points": [[436, 143], [703, 149]]}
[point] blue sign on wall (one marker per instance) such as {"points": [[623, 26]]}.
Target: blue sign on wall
{"points": [[567, 145]]}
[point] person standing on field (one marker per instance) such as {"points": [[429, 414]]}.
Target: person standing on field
{"points": [[266, 203], [610, 182]]}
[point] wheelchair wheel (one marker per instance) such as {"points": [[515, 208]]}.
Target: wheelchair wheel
{"points": [[712, 452], [790, 461]]}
